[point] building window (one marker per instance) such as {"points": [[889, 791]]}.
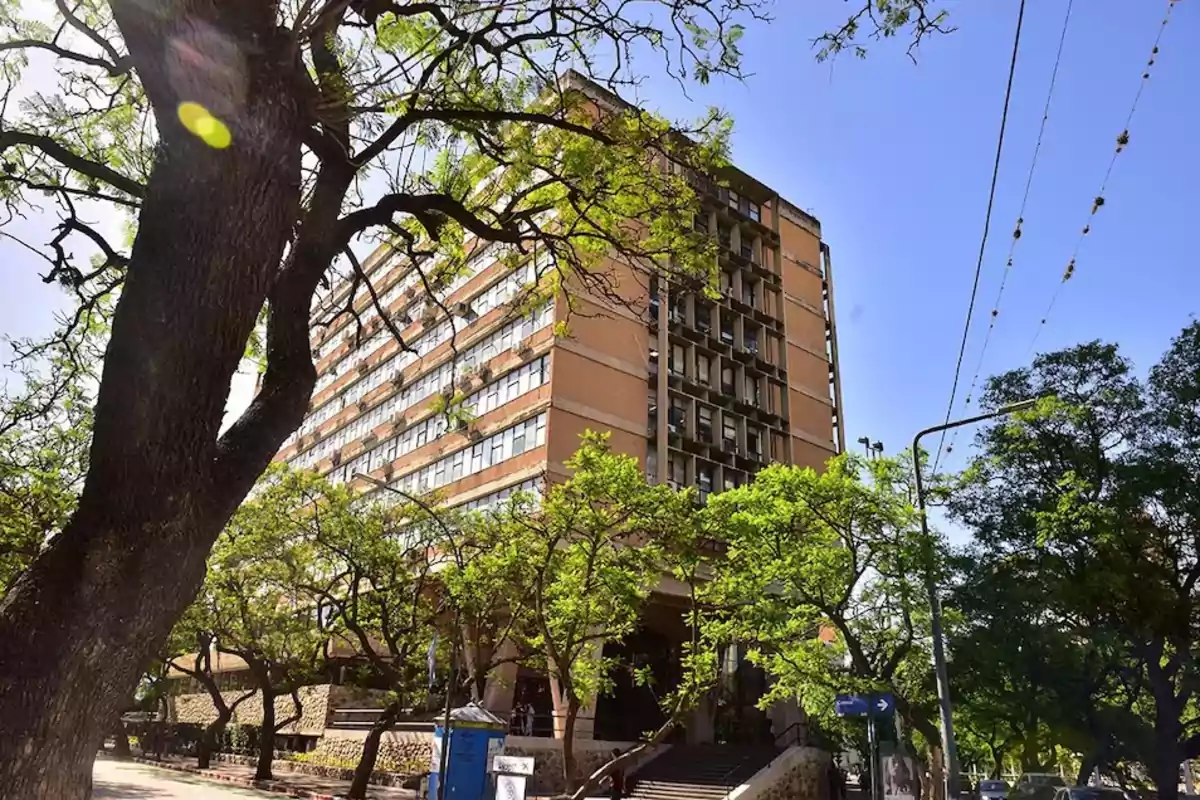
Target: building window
{"points": [[754, 212], [703, 369], [754, 441], [677, 415], [751, 340], [704, 481], [726, 329], [678, 473], [652, 410], [746, 248], [704, 423], [727, 380], [703, 318], [753, 395], [652, 464], [734, 200], [675, 360], [725, 236], [750, 293], [728, 432]]}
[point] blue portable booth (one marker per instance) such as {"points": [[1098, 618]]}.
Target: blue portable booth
{"points": [[476, 735]]}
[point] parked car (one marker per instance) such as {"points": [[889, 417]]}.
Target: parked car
{"points": [[1037, 786], [993, 790], [1089, 793]]}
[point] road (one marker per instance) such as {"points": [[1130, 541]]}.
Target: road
{"points": [[116, 780]]}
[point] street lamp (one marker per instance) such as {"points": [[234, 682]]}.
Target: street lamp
{"points": [[949, 747], [452, 678]]}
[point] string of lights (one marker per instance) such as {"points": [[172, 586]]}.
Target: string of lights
{"points": [[1017, 229], [1100, 198], [987, 224]]}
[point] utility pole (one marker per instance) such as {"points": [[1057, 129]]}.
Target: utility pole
{"points": [[949, 745]]}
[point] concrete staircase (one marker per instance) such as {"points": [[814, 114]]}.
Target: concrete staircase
{"points": [[699, 772]]}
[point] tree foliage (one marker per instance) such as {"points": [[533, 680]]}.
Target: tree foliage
{"points": [[823, 582], [587, 560], [1089, 501], [250, 145]]}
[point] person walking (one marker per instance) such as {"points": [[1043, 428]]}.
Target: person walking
{"points": [[617, 777]]}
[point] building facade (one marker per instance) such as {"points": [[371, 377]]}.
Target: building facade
{"points": [[704, 390]]}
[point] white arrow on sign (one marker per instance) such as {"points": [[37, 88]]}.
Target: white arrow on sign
{"points": [[881, 704]]}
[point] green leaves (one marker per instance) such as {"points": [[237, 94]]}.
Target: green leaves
{"points": [[821, 580]]}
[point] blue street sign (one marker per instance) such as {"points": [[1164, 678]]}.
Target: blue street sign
{"points": [[859, 705], [851, 705]]}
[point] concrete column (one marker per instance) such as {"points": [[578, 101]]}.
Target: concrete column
{"points": [[499, 693], [585, 723], [784, 714], [701, 723]]}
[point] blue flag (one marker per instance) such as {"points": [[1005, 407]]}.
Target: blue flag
{"points": [[430, 659]]}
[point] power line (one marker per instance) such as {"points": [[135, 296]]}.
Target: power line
{"points": [[1017, 229], [1099, 200], [987, 224]]}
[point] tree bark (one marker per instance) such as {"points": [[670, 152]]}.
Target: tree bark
{"points": [[570, 778], [80, 625], [266, 739], [120, 739], [210, 739], [366, 763]]}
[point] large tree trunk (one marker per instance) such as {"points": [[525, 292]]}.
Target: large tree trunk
{"points": [[211, 738], [570, 777], [120, 739], [266, 739], [997, 762], [366, 763], [80, 625]]}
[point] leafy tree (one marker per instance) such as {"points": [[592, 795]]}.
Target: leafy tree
{"points": [[588, 559], [189, 651], [1025, 681], [45, 431], [1093, 495], [374, 571], [250, 144], [822, 582], [255, 603]]}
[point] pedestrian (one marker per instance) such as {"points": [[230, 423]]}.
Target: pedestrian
{"points": [[527, 720], [617, 777]]}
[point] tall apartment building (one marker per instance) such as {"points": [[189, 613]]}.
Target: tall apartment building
{"points": [[703, 392]]}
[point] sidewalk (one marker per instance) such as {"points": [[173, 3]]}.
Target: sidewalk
{"points": [[289, 784]]}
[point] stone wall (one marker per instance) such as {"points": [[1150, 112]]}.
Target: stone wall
{"points": [[403, 752], [547, 755], [799, 773], [197, 709]]}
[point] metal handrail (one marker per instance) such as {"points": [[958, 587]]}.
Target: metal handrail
{"points": [[799, 726]]}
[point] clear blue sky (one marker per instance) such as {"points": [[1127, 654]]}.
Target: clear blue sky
{"points": [[895, 159]]}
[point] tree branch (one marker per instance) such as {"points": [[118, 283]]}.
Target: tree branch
{"points": [[62, 155]]}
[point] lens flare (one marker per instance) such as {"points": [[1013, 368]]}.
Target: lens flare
{"points": [[204, 125]]}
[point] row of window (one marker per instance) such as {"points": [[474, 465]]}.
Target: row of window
{"points": [[480, 261], [495, 449], [428, 383], [533, 486], [498, 293], [507, 388], [701, 428]]}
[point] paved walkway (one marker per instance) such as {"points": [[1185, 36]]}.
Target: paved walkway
{"points": [[118, 780], [122, 780]]}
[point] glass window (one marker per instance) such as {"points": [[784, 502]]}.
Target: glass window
{"points": [[703, 368]]}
